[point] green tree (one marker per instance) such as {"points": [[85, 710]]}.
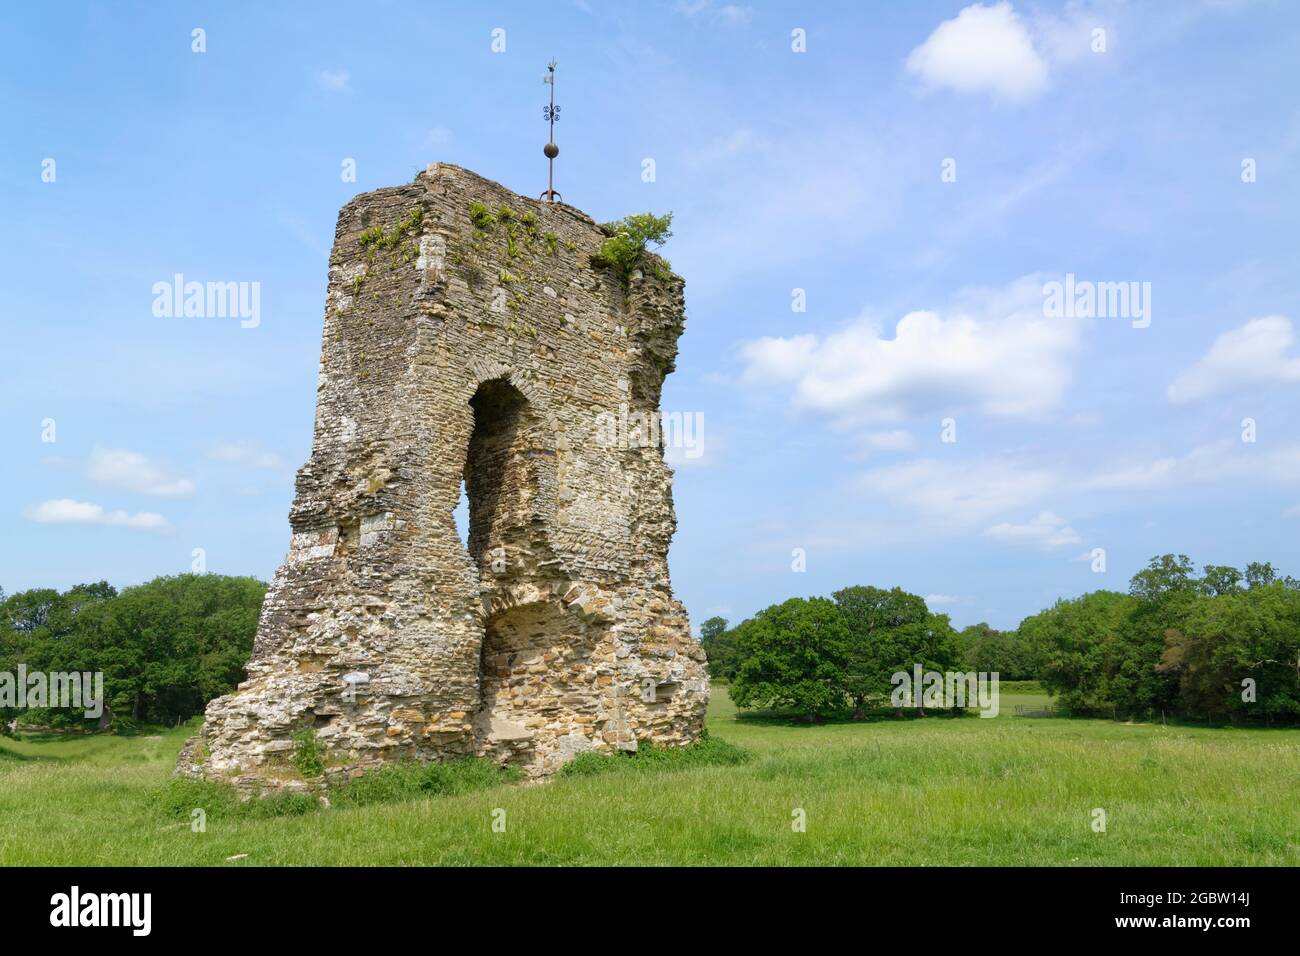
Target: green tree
{"points": [[889, 631], [1167, 591], [1245, 635], [1218, 580], [1073, 640], [793, 655], [985, 649], [719, 644], [169, 646], [40, 628]]}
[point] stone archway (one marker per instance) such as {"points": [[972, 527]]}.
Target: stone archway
{"points": [[499, 477], [534, 672]]}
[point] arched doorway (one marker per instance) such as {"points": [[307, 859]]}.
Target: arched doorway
{"points": [[499, 482], [534, 656]]}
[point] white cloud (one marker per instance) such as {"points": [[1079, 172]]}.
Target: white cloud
{"points": [[1046, 531], [1292, 512], [1141, 476], [959, 495], [438, 136], [735, 14], [334, 81], [67, 511], [992, 349], [726, 147], [731, 14], [245, 453], [118, 468], [984, 49], [1227, 460], [1068, 38], [943, 600], [1255, 354], [897, 440]]}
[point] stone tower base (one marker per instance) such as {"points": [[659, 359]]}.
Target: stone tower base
{"points": [[471, 343]]}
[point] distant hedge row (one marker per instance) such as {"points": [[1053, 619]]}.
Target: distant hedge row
{"points": [[165, 648], [1224, 645], [1221, 645]]}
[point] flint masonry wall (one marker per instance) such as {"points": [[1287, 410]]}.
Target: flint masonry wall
{"points": [[476, 343]]}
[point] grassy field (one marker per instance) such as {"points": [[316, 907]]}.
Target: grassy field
{"points": [[1009, 790]]}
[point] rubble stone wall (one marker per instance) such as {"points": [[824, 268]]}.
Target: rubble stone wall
{"points": [[469, 338]]}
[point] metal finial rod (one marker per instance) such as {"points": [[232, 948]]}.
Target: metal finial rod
{"points": [[551, 114]]}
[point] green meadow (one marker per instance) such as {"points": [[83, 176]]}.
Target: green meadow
{"points": [[934, 791]]}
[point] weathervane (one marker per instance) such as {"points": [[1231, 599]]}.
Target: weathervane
{"points": [[552, 115]]}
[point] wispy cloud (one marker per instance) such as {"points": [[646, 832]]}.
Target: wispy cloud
{"points": [[1045, 531], [896, 440], [131, 471], [70, 512], [731, 14], [960, 495], [1257, 353], [334, 81], [245, 453]]}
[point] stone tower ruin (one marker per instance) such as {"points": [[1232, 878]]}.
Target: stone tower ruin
{"points": [[470, 338]]}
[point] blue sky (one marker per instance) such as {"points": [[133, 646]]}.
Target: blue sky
{"points": [[822, 170]]}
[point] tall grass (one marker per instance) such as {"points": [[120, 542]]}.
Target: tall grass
{"points": [[1008, 790]]}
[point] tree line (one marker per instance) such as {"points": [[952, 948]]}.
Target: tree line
{"points": [[165, 648], [1218, 645], [1221, 645]]}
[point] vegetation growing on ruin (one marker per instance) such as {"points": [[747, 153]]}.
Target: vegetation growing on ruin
{"points": [[407, 780], [377, 238], [625, 250], [708, 751], [307, 754], [414, 780], [522, 236], [520, 231], [179, 797]]}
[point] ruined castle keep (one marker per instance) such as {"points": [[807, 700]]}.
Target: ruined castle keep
{"points": [[470, 338]]}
